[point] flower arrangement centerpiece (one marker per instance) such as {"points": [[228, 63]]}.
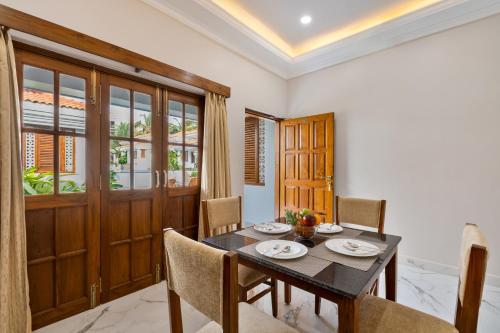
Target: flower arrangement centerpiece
{"points": [[303, 222]]}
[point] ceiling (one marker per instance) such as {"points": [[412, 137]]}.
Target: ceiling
{"points": [[270, 34]]}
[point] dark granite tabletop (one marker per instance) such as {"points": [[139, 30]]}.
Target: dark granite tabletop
{"points": [[335, 278]]}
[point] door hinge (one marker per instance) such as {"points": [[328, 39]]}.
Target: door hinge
{"points": [[100, 183], [93, 87], [93, 295], [100, 285], [158, 277]]}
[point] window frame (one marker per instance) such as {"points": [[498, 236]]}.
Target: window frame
{"points": [[196, 101], [56, 132]]}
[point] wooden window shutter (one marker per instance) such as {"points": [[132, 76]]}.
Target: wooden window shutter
{"points": [[251, 150], [44, 148]]}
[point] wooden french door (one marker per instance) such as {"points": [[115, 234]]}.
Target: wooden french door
{"points": [[61, 185], [306, 165], [107, 162], [182, 139], [130, 181]]}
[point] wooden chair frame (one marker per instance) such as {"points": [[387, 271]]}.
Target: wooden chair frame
{"points": [[374, 289], [243, 291], [467, 312], [229, 301]]}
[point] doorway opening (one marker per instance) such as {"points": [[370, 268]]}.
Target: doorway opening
{"points": [[260, 167]]}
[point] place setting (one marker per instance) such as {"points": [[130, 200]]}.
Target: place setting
{"points": [[266, 231]]}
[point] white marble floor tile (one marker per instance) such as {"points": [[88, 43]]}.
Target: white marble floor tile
{"points": [[146, 311]]}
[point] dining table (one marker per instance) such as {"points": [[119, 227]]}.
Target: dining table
{"points": [[341, 279]]}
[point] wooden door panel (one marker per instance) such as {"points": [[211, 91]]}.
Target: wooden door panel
{"points": [[304, 171], [174, 213], [306, 159], [289, 138], [120, 254], [62, 223], [304, 136], [141, 218], [141, 259], [58, 261], [42, 289], [73, 284], [319, 131], [131, 193], [289, 166], [291, 196], [40, 234], [319, 166], [182, 198], [304, 196], [71, 224]]}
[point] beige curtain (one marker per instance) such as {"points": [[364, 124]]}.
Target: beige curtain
{"points": [[15, 314], [215, 173]]}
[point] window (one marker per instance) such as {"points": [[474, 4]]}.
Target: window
{"points": [[183, 142], [254, 151], [130, 107], [52, 135]]}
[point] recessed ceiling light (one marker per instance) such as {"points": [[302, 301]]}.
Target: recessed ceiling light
{"points": [[306, 19]]}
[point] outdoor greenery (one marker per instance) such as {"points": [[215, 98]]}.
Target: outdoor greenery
{"points": [[43, 183], [173, 161], [113, 181], [143, 127], [176, 127]]}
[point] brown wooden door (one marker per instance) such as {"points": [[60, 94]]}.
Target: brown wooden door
{"points": [[131, 189], [306, 165], [61, 185], [182, 135]]}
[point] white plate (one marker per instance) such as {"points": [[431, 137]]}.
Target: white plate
{"points": [[341, 245], [267, 248], [272, 228], [328, 228]]}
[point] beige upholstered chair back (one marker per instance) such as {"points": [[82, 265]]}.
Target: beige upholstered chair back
{"points": [[473, 262], [364, 212], [195, 272], [221, 215]]}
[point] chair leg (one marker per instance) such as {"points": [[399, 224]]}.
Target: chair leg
{"points": [[288, 293], [243, 295], [317, 304], [274, 296], [375, 289]]}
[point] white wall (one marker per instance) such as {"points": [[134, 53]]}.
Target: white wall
{"points": [[138, 27], [419, 125], [259, 200]]}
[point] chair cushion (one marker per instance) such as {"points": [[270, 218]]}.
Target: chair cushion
{"points": [[247, 276], [379, 315], [251, 320]]}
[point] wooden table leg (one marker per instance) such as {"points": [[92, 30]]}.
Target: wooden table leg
{"points": [[391, 278], [288, 293], [349, 315]]}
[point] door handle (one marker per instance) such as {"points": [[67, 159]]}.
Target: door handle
{"points": [[157, 178], [165, 180], [329, 182]]}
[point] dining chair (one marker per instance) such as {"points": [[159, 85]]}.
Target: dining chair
{"points": [[358, 212], [207, 279], [223, 215], [380, 315]]}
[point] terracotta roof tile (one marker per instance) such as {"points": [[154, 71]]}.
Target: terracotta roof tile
{"points": [[36, 96]]}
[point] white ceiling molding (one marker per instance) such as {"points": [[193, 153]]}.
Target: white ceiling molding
{"points": [[213, 22]]}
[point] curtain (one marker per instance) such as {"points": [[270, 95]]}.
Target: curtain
{"points": [[15, 314], [215, 172]]}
